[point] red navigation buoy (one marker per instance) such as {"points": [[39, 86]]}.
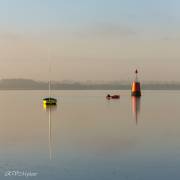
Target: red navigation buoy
{"points": [[136, 86]]}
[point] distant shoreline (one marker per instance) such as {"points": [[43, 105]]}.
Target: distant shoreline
{"points": [[86, 89], [28, 84]]}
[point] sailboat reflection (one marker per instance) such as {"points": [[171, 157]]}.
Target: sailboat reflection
{"points": [[136, 107], [49, 109]]}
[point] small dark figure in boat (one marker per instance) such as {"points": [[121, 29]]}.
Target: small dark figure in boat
{"points": [[112, 97], [108, 96]]}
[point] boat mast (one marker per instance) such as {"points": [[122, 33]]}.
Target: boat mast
{"points": [[49, 74], [49, 88]]}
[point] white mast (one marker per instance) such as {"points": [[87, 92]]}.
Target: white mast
{"points": [[49, 74], [49, 88]]}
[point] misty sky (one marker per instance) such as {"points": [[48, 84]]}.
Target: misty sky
{"points": [[90, 39]]}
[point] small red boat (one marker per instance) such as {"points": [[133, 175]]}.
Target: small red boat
{"points": [[115, 97], [112, 97]]}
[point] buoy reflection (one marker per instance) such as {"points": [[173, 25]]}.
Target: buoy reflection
{"points": [[136, 107]]}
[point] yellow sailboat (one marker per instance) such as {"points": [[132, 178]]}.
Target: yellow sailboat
{"points": [[50, 101]]}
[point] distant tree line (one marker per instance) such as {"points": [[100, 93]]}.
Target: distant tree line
{"points": [[28, 84]]}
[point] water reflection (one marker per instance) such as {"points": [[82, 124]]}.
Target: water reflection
{"points": [[136, 107], [49, 109]]}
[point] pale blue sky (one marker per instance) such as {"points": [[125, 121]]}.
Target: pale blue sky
{"points": [[83, 35], [50, 13]]}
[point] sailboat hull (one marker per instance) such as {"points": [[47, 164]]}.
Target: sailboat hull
{"points": [[50, 101]]}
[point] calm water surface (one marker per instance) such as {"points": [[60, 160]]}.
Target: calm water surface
{"points": [[87, 137]]}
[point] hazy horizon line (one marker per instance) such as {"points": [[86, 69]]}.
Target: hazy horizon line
{"points": [[91, 81], [29, 84]]}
